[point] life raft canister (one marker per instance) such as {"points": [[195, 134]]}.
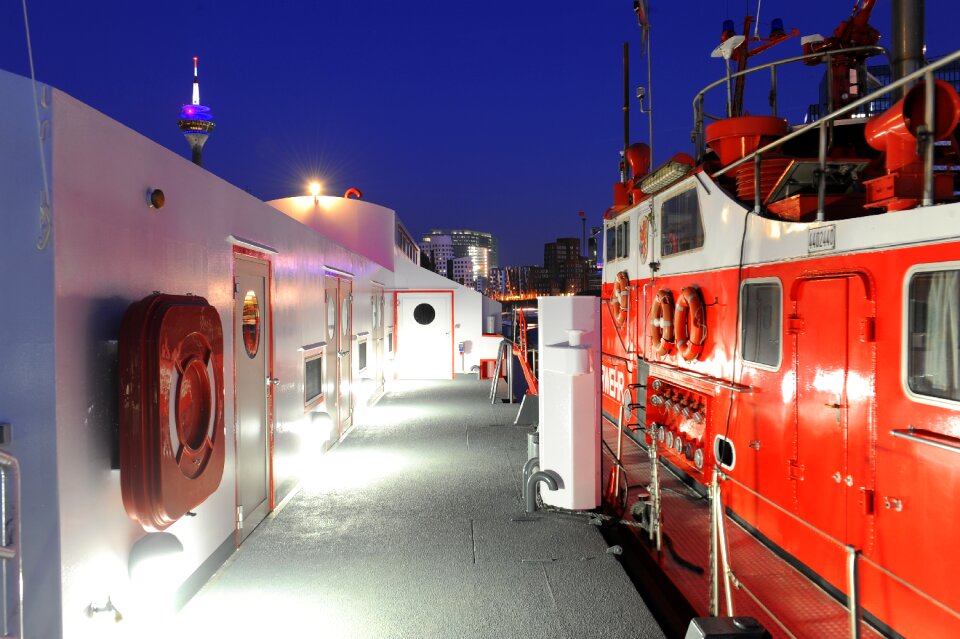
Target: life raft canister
{"points": [[172, 437], [662, 317], [618, 303], [690, 323]]}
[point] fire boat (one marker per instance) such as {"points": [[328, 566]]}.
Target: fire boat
{"points": [[781, 345]]}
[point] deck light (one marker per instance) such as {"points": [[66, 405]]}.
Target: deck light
{"points": [[314, 188]]}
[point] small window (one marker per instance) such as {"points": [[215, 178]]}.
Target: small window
{"points": [[682, 229], [611, 253], [389, 342], [424, 314], [623, 240], [760, 326], [312, 379], [362, 355], [251, 324], [934, 334], [331, 315]]}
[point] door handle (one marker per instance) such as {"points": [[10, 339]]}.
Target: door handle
{"points": [[849, 480], [833, 404], [273, 381], [837, 477], [342, 353]]}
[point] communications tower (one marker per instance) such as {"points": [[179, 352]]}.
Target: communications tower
{"points": [[196, 120]]}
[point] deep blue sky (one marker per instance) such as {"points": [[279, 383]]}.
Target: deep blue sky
{"points": [[502, 115]]}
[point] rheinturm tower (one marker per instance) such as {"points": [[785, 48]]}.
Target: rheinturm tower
{"points": [[196, 120]]}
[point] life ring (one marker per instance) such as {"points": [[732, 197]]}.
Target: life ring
{"points": [[662, 314], [690, 321], [618, 303]]}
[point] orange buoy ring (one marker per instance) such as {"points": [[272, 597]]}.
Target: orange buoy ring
{"points": [[662, 314], [618, 303], [690, 322]]}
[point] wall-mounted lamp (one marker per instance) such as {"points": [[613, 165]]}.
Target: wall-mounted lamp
{"points": [[315, 188], [155, 198]]}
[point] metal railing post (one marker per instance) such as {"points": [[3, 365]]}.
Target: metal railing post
{"points": [[756, 184], [853, 592], [714, 609], [773, 91], [822, 175], [929, 137]]}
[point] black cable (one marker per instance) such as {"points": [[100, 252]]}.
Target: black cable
{"points": [[736, 337]]}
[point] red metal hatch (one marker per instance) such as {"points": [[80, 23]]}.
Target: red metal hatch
{"points": [[171, 407]]}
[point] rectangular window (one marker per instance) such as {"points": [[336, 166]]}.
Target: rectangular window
{"points": [[934, 334], [362, 356], [681, 226], [760, 323], [312, 379], [389, 342], [611, 253], [623, 240]]}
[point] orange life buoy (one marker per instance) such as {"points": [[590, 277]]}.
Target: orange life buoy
{"points": [[618, 303], [661, 333], [690, 322]]}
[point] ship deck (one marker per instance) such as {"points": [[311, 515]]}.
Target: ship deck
{"points": [[413, 526]]}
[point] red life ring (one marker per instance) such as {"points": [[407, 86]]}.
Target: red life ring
{"points": [[690, 320], [618, 303], [662, 314]]}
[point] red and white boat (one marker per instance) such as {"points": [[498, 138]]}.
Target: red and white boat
{"points": [[781, 352]]}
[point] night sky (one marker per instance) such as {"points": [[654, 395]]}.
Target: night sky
{"points": [[501, 116]]}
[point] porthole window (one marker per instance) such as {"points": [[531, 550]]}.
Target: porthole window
{"points": [[251, 324], [345, 316], [424, 314], [724, 452], [331, 317]]}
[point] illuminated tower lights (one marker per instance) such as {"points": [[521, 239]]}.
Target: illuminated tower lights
{"points": [[196, 120]]}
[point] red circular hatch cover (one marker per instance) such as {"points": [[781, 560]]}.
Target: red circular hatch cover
{"points": [[171, 407]]}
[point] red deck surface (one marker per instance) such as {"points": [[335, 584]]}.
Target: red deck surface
{"points": [[791, 606]]}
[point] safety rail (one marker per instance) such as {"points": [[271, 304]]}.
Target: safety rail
{"points": [[853, 559], [11, 560], [699, 114], [924, 437], [925, 137]]}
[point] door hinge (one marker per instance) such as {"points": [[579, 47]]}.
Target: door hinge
{"points": [[236, 288], [866, 500], [796, 470], [239, 517], [794, 324], [868, 329]]}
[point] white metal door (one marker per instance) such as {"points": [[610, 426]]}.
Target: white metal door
{"points": [[252, 362], [424, 336]]}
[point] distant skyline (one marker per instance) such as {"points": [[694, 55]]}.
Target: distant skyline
{"points": [[501, 116]]}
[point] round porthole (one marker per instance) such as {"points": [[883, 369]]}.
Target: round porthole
{"points": [[251, 324], [424, 314]]}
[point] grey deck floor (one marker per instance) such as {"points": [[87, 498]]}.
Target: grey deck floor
{"points": [[413, 527]]}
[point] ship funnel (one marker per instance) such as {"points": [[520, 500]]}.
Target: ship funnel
{"points": [[907, 42]]}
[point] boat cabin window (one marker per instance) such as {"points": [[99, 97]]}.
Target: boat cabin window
{"points": [[760, 322], [618, 241], [682, 228], [312, 379], [623, 239], [933, 339]]}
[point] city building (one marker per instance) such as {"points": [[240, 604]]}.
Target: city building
{"points": [[480, 247], [566, 269], [440, 250], [460, 270]]}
